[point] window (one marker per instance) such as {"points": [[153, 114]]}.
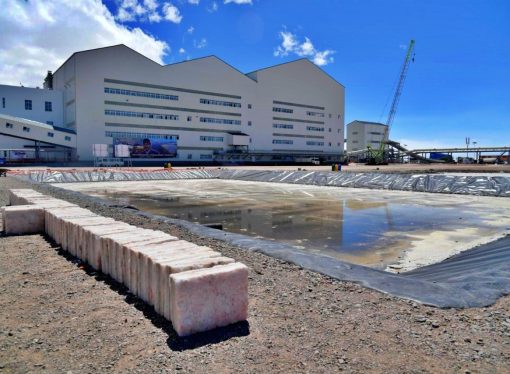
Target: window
{"points": [[282, 110], [28, 104], [150, 95], [354, 133], [220, 121], [51, 135], [189, 119], [206, 157], [249, 123], [354, 141], [67, 138], [249, 106], [48, 106], [26, 129], [315, 128], [190, 156], [310, 142], [124, 113], [282, 141], [314, 114], [3, 102], [330, 144], [211, 138], [9, 125], [330, 129], [375, 133], [282, 126], [329, 115], [123, 134], [49, 123], [220, 102]]}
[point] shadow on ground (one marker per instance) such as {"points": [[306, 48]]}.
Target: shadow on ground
{"points": [[174, 342]]}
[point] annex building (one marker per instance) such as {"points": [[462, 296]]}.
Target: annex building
{"points": [[201, 110]]}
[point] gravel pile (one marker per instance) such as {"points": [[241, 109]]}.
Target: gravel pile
{"points": [[57, 315]]}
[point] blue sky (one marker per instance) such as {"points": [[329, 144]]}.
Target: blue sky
{"points": [[458, 85]]}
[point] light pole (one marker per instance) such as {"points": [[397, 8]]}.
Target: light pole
{"points": [[468, 140]]}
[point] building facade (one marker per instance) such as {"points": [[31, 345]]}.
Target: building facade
{"points": [[207, 108], [361, 134]]}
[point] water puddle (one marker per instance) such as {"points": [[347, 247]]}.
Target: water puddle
{"points": [[369, 227]]}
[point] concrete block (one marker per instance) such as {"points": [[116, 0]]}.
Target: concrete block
{"points": [[208, 298], [23, 219], [161, 277]]}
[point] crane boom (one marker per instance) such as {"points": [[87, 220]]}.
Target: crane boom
{"points": [[400, 86], [378, 156]]}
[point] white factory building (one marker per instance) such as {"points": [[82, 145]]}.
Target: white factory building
{"points": [[361, 134], [200, 110]]}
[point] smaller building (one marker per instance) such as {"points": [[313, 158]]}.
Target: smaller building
{"points": [[361, 134]]}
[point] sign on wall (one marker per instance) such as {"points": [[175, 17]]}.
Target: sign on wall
{"points": [[149, 148]]}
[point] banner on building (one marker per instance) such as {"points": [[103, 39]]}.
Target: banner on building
{"points": [[148, 148]]}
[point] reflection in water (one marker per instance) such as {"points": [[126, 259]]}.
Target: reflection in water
{"points": [[364, 226]]}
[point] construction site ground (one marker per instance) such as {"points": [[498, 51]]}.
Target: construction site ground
{"points": [[57, 315]]}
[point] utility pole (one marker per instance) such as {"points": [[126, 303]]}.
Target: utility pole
{"points": [[468, 141]]}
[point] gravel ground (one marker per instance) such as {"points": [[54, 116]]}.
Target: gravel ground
{"points": [[58, 315]]}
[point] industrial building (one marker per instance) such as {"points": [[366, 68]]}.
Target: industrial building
{"points": [[201, 110], [361, 134]]}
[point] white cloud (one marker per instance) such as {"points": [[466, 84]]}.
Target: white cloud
{"points": [[194, 2], [147, 10], [291, 45], [190, 30], [202, 43], [171, 13], [182, 50], [238, 1], [214, 7], [40, 35]]}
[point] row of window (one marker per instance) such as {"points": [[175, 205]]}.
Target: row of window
{"points": [[314, 114], [220, 102], [311, 142], [125, 113], [282, 110], [211, 138], [315, 128], [282, 141], [282, 126], [152, 95], [48, 107], [142, 135], [27, 129], [206, 157], [220, 121]]}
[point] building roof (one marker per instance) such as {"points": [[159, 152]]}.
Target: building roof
{"points": [[247, 75], [367, 122]]}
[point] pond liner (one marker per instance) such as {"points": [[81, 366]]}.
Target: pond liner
{"points": [[498, 186], [474, 278]]}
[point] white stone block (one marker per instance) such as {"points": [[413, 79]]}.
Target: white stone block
{"points": [[161, 277], [74, 227], [153, 262], [150, 256], [110, 244], [208, 298], [55, 219], [92, 240], [15, 195], [23, 219]]}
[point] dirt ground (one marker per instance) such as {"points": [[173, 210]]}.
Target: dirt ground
{"points": [[57, 315]]}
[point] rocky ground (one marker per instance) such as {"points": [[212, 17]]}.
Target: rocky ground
{"points": [[57, 315]]}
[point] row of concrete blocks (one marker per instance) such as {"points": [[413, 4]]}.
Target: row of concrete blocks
{"points": [[194, 287]]}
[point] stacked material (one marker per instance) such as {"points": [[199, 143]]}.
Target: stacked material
{"points": [[194, 287]]}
